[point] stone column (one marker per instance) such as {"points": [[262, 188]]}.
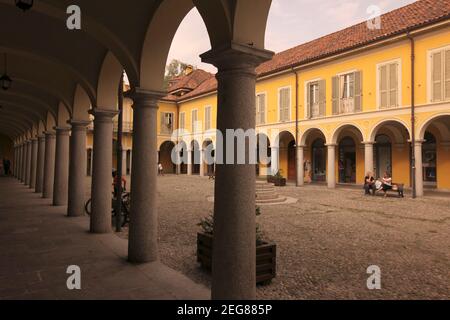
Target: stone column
{"points": [[34, 154], [102, 171], [275, 160], [234, 255], [61, 183], [40, 164], [189, 162], [28, 166], [368, 156], [124, 162], [419, 168], [300, 166], [143, 233], [23, 162], [20, 167], [202, 164], [49, 165], [331, 170], [77, 168]]}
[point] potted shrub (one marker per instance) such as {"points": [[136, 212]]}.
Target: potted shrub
{"points": [[270, 179], [279, 180], [265, 251]]}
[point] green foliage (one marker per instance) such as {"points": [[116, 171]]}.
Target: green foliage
{"points": [[174, 69], [279, 174], [207, 226]]}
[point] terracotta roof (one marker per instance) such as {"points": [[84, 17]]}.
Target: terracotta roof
{"points": [[410, 17], [191, 81]]}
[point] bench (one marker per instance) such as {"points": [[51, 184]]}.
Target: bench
{"points": [[397, 188]]}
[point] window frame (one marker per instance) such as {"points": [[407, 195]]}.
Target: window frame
{"points": [[182, 116], [279, 103], [399, 83], [308, 107], [210, 118], [430, 53], [264, 93], [193, 128]]}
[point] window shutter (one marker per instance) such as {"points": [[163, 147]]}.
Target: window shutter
{"points": [[393, 85], [284, 104], [358, 91], [335, 95], [257, 109], [437, 76], [308, 101], [322, 98], [182, 121], [162, 122], [207, 118], [383, 87], [262, 109], [447, 74]]}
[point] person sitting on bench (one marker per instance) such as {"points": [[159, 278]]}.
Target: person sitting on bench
{"points": [[387, 183], [369, 183]]}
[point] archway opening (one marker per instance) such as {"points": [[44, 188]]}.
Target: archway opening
{"points": [[195, 157], [382, 155], [287, 155], [263, 168], [315, 156], [165, 157], [208, 168], [347, 160]]}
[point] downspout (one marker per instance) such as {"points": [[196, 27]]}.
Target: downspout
{"points": [[413, 118], [297, 183]]}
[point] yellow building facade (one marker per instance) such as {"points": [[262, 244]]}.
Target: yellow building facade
{"points": [[331, 119]]}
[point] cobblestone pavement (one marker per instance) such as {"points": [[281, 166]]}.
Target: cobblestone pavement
{"points": [[326, 241]]}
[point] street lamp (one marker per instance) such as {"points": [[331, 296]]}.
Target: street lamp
{"points": [[5, 80], [24, 4]]}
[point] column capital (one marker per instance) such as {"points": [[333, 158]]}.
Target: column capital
{"points": [[41, 137], [145, 98], [34, 140], [79, 124], [235, 56], [331, 145], [62, 131], [103, 114], [300, 146], [50, 134], [419, 142], [368, 143]]}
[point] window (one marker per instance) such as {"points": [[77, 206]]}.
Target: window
{"points": [[388, 92], [316, 99], [347, 93], [284, 102], [194, 120], [166, 122], [182, 120], [440, 75], [207, 118], [260, 109]]}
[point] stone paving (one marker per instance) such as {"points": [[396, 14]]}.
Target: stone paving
{"points": [[326, 241], [38, 243]]}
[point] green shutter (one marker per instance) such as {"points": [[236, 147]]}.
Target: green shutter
{"points": [[358, 91], [322, 98], [335, 95], [437, 76]]}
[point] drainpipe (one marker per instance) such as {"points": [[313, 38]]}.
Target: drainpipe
{"points": [[296, 125], [413, 118]]}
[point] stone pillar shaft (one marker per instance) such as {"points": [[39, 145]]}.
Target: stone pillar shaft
{"points": [[25, 163], [40, 164], [20, 168], [300, 166], [234, 254], [331, 171], [419, 169], [189, 163], [102, 171], [143, 234], [275, 160], [77, 169], [49, 165], [61, 182], [368, 157], [34, 154]]}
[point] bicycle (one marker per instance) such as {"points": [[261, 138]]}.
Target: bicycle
{"points": [[125, 212]]}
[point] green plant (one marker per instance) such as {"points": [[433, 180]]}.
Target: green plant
{"points": [[207, 226], [279, 174]]}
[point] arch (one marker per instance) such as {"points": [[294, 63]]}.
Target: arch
{"points": [[167, 17], [194, 147], [63, 115], [287, 155], [108, 83], [81, 104], [423, 128], [304, 137], [354, 128], [165, 156], [50, 122], [396, 132]]}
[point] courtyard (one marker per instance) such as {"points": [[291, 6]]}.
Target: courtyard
{"points": [[325, 241]]}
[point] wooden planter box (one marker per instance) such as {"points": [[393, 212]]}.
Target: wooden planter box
{"points": [[265, 258], [280, 182]]}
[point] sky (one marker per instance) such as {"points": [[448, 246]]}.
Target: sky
{"points": [[290, 23]]}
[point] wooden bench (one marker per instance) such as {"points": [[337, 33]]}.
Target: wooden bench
{"points": [[398, 188]]}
